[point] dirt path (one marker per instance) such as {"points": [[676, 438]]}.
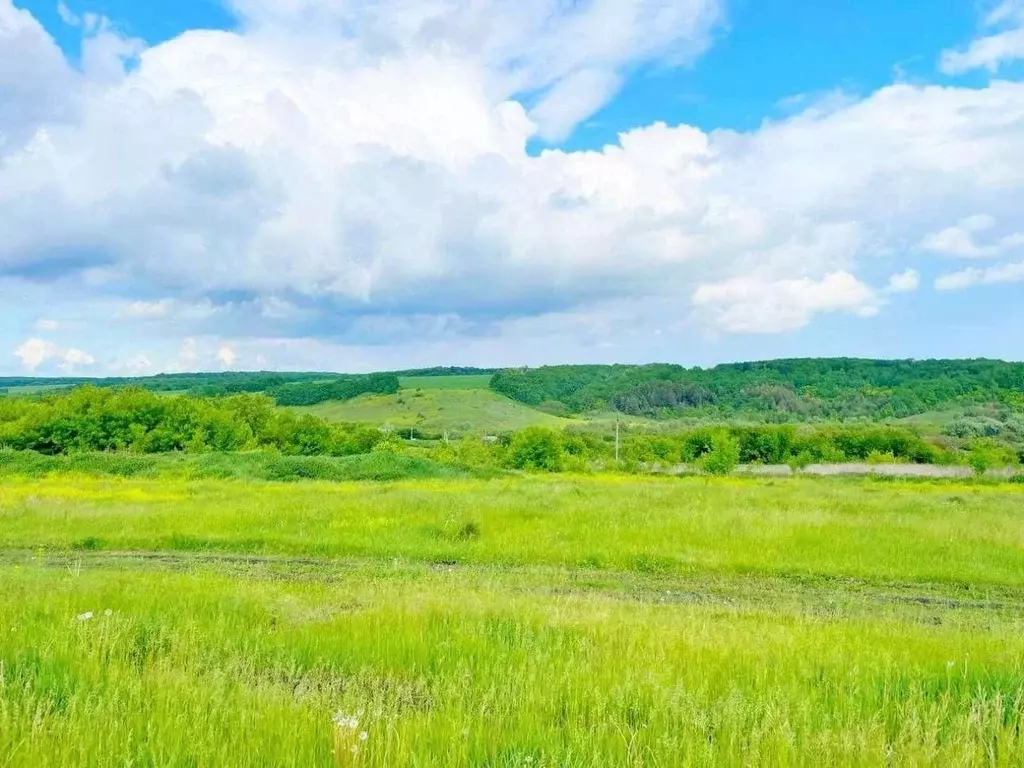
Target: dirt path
{"points": [[808, 594]]}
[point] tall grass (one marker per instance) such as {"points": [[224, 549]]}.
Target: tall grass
{"points": [[446, 669], [379, 466], [516, 622], [923, 532]]}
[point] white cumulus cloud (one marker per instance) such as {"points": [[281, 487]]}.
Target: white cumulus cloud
{"points": [[961, 240], [991, 51], [356, 172], [34, 353], [227, 356], [904, 282], [748, 305], [1001, 273]]}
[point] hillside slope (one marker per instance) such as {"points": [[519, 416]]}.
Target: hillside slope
{"points": [[436, 410]]}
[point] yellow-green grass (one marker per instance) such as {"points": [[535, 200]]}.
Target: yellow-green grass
{"points": [[932, 422], [942, 532], [466, 381], [437, 410], [447, 668], [513, 622]]}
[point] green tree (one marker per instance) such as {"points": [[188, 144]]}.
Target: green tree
{"points": [[536, 448]]}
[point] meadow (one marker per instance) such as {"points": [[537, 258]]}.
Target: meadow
{"points": [[437, 408], [509, 621], [464, 381]]}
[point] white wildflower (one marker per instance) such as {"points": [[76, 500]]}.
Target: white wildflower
{"points": [[108, 612], [364, 736], [341, 720], [85, 616], [355, 749]]}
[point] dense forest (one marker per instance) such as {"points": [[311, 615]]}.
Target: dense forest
{"points": [[341, 388], [788, 390], [284, 388]]}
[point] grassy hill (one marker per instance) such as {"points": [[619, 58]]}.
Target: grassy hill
{"points": [[438, 409]]}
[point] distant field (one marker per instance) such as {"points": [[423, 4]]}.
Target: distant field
{"points": [[932, 422], [34, 389], [445, 382], [437, 409], [459, 404], [510, 623]]}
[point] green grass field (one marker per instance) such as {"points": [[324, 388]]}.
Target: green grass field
{"points": [[456, 409], [446, 382], [510, 622]]}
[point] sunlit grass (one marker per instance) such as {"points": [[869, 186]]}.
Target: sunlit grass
{"points": [[466, 381], [459, 410], [513, 622], [918, 532]]}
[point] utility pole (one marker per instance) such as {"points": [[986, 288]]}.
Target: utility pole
{"points": [[616, 437]]}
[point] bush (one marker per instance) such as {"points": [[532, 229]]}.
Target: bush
{"points": [[967, 428], [878, 457], [536, 448], [724, 456], [800, 461], [986, 454]]}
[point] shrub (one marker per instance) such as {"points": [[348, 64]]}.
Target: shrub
{"points": [[966, 428], [536, 448], [878, 457], [724, 456], [986, 453]]}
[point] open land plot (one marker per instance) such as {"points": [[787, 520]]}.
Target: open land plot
{"points": [[470, 410], [456, 381], [511, 622]]}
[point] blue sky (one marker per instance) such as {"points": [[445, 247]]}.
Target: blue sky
{"points": [[764, 54], [396, 183]]}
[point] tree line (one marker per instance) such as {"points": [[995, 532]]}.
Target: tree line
{"points": [[291, 389], [720, 449], [779, 390], [135, 420]]}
